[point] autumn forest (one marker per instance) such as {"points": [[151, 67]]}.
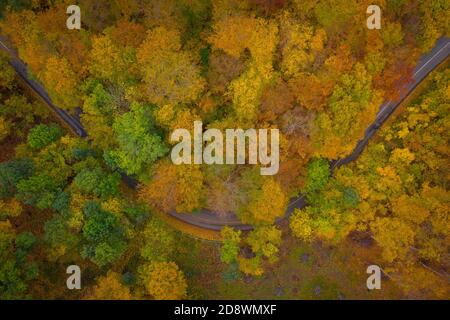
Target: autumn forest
{"points": [[137, 226]]}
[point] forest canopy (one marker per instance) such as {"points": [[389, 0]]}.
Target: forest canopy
{"points": [[139, 69]]}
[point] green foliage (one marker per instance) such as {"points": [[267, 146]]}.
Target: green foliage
{"points": [[43, 135], [11, 173], [392, 34], [136, 213], [159, 241], [318, 175], [196, 19], [232, 273], [139, 143], [7, 75], [265, 241], [58, 236], [230, 247], [62, 203], [96, 181], [205, 53], [87, 180], [14, 5], [24, 243], [99, 101], [15, 271], [103, 234], [335, 14], [39, 190]]}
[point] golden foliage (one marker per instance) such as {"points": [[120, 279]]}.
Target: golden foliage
{"points": [[110, 287], [169, 73], [164, 281]]}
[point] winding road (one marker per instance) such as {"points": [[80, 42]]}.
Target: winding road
{"points": [[207, 219]]}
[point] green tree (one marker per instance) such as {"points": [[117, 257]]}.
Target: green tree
{"points": [[96, 181], [317, 176], [230, 246], [103, 234], [265, 241], [159, 241], [15, 269], [139, 143], [39, 190], [11, 173], [43, 135]]}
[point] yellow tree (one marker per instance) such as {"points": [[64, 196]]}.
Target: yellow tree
{"points": [[235, 34], [174, 188], [109, 62], [265, 203], [110, 287], [353, 105], [4, 128], [61, 82], [164, 281], [170, 74]]}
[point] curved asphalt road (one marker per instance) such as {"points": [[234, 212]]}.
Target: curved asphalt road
{"points": [[207, 219]]}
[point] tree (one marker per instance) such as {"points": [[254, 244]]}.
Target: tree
{"points": [[15, 269], [159, 241], [4, 129], [251, 266], [111, 63], [39, 190], [318, 175], [103, 235], [43, 135], [269, 6], [164, 280], [17, 110], [300, 225], [99, 109], [222, 70], [265, 241], [264, 202], [230, 247], [395, 237], [8, 74], [434, 22], [300, 44], [392, 34], [10, 208], [310, 91], [339, 17], [174, 188], [276, 100], [396, 77], [235, 34], [127, 33], [110, 287], [170, 75], [139, 145], [58, 238], [61, 82], [97, 182], [11, 173], [353, 105]]}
